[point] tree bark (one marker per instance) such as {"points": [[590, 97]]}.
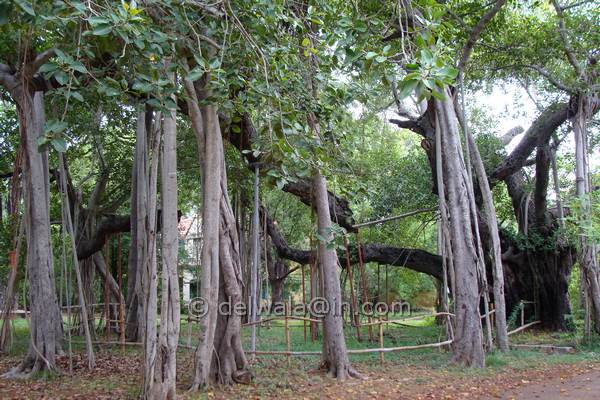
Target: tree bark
{"points": [[467, 346], [146, 282], [335, 356], [255, 257], [494, 247], [143, 225], [13, 256], [219, 357], [277, 272], [588, 260], [46, 322], [166, 356]]}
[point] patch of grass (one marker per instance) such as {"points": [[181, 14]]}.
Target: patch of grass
{"points": [[278, 376]]}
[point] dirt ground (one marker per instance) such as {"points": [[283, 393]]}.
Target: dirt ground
{"points": [[585, 386], [117, 377]]}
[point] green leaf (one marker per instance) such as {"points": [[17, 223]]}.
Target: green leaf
{"points": [[142, 87], [427, 56], [79, 67], [421, 91], [380, 59], [195, 74], [94, 21], [214, 63], [61, 55], [61, 77], [170, 104], [48, 67], [54, 126], [370, 55], [305, 42], [154, 103], [5, 10], [102, 30], [449, 72], [59, 144], [407, 87], [437, 95], [77, 96], [26, 6], [41, 142]]}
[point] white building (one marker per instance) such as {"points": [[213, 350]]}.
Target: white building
{"points": [[190, 243]]}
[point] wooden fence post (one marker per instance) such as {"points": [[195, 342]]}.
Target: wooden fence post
{"points": [[381, 359], [522, 313], [303, 301], [287, 333], [121, 303], [106, 292]]}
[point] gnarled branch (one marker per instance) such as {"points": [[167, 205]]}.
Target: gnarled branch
{"points": [[539, 132]]}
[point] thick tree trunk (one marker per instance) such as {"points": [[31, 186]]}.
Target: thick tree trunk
{"points": [[335, 356], [133, 297], [147, 279], [46, 322], [143, 225], [551, 273], [165, 363], [541, 276], [468, 347], [277, 272], [587, 254], [219, 357], [276, 289]]}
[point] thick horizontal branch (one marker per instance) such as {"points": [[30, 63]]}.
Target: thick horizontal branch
{"points": [[540, 132], [414, 259], [108, 225], [409, 124], [511, 134], [338, 207]]}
